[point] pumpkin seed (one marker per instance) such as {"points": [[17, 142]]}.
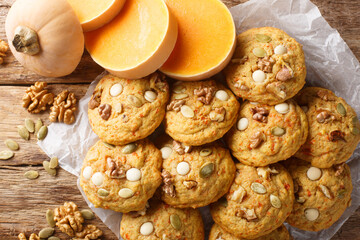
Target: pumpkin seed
{"points": [[23, 132], [46, 165], [50, 218], [179, 89], [54, 162], [6, 154], [181, 96], [41, 135], [258, 188], [175, 221], [223, 202], [11, 144], [205, 152], [275, 201], [341, 193], [30, 125], [108, 145], [355, 131], [130, 148], [207, 170], [38, 125], [31, 174], [325, 191], [300, 199], [87, 214], [46, 232], [355, 121], [103, 192], [278, 131], [259, 52], [54, 238], [263, 38], [134, 101], [341, 109]]}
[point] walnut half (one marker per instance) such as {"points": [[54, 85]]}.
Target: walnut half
{"points": [[37, 98], [68, 219], [4, 47], [64, 108]]}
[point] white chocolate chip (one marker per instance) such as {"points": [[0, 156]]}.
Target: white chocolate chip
{"points": [[87, 172], [311, 214], [146, 228], [242, 124], [305, 108], [150, 96], [98, 178], [183, 168], [126, 193], [118, 107], [282, 108], [187, 112], [116, 89], [314, 173], [280, 50], [258, 76], [133, 174], [166, 152], [222, 95]]}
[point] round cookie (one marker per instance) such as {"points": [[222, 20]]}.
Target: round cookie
{"points": [[267, 134], [334, 129], [121, 178], [163, 222], [195, 176], [321, 195], [259, 201], [217, 233], [268, 66], [200, 112], [122, 111]]}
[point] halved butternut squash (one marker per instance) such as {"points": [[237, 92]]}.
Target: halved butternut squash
{"points": [[206, 39], [94, 14], [136, 42]]}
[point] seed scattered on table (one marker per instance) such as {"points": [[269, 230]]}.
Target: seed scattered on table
{"points": [[31, 175], [11, 144]]}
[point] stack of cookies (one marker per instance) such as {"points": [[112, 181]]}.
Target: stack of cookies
{"points": [[290, 147]]}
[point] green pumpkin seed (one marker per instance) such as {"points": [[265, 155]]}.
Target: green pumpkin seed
{"points": [[300, 199], [259, 52], [53, 238], [341, 109], [30, 125], [223, 202], [258, 188], [50, 218], [108, 145], [87, 214], [355, 121], [263, 38], [205, 152], [46, 165], [207, 170], [31, 174], [355, 131], [6, 154], [275, 201], [341, 193], [46, 232], [130, 148], [54, 162], [175, 221], [103, 192], [278, 131], [41, 135], [134, 101], [23, 132], [38, 125], [11, 144]]}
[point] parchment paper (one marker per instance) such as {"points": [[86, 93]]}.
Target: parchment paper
{"points": [[330, 64]]}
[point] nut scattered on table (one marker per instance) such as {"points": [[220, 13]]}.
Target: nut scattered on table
{"points": [[4, 47], [68, 218], [37, 98], [64, 108]]}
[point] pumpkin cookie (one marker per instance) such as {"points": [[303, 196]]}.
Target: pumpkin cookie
{"points": [[163, 222], [268, 66], [217, 233], [259, 201], [121, 178], [194, 176], [321, 195], [267, 134], [334, 129], [123, 111], [200, 112]]}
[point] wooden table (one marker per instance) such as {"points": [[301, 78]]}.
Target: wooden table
{"points": [[23, 203]]}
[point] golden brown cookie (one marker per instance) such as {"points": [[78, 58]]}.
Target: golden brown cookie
{"points": [[334, 129], [268, 66], [200, 112], [267, 134], [259, 201], [121, 178], [163, 222], [217, 233], [322, 195], [194, 176], [122, 111]]}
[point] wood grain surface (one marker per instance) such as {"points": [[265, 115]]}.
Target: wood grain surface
{"points": [[23, 202]]}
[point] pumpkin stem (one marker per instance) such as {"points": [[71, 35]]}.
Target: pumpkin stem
{"points": [[26, 41]]}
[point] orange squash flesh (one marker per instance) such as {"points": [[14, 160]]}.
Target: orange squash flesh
{"points": [[137, 41], [206, 39]]}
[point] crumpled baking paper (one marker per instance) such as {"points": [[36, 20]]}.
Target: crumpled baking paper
{"points": [[330, 64]]}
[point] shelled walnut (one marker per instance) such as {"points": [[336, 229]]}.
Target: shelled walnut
{"points": [[64, 108], [33, 236], [4, 47], [68, 219], [89, 232], [37, 98]]}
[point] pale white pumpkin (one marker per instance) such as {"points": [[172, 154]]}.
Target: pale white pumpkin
{"points": [[45, 36]]}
